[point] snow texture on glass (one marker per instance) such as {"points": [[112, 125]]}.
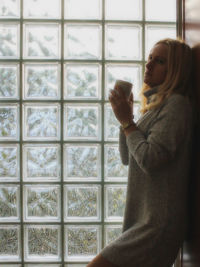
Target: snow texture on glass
{"points": [[82, 121], [115, 199], [9, 81], [9, 203], [82, 81], [42, 203], [9, 163], [8, 122], [87, 9], [82, 162], [123, 42], [114, 169], [42, 9], [9, 46], [9, 245], [42, 243], [82, 203], [42, 41], [123, 9], [41, 122], [82, 41], [9, 8], [82, 242], [111, 124], [41, 162], [42, 81]]}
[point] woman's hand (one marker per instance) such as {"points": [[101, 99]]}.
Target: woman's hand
{"points": [[122, 107]]}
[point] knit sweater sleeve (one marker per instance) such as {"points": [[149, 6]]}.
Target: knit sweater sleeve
{"points": [[123, 148], [159, 146]]}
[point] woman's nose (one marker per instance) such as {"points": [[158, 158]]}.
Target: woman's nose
{"points": [[149, 64]]}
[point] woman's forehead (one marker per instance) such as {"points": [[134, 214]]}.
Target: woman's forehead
{"points": [[160, 50]]}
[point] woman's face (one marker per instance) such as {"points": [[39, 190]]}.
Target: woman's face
{"points": [[156, 67]]}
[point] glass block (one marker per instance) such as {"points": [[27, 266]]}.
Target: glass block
{"points": [[128, 72], [123, 42], [41, 203], [9, 203], [136, 111], [82, 163], [87, 9], [82, 121], [41, 121], [9, 163], [9, 45], [114, 169], [115, 199], [157, 10], [9, 8], [43, 265], [82, 41], [111, 124], [9, 122], [42, 41], [123, 9], [154, 33], [76, 265], [11, 265], [42, 243], [82, 81], [41, 162], [42, 81], [41, 9], [10, 243], [82, 203], [112, 232], [9, 81], [82, 242]]}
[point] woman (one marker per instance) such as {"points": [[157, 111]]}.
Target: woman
{"points": [[157, 149]]}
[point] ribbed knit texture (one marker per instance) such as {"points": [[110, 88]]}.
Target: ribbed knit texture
{"points": [[158, 155]]}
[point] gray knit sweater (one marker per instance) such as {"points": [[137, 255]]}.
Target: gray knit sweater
{"points": [[158, 155]]}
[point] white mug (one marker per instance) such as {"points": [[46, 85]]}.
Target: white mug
{"points": [[125, 86]]}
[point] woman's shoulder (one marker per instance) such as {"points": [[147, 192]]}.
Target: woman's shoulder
{"points": [[178, 102]]}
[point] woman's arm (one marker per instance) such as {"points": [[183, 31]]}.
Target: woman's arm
{"points": [[164, 137], [100, 261]]}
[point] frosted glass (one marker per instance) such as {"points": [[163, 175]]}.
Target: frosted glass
{"points": [[87, 9], [82, 121], [9, 203], [42, 9], [41, 162], [10, 243], [157, 10], [9, 8], [82, 81], [9, 122], [41, 203], [82, 41], [42, 243], [123, 42], [9, 163], [41, 81], [114, 169], [154, 33], [112, 232], [131, 73], [42, 41], [123, 9], [9, 45], [115, 199], [9, 81], [82, 162], [41, 122], [82, 203], [82, 242]]}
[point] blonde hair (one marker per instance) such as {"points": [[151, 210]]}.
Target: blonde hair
{"points": [[178, 77]]}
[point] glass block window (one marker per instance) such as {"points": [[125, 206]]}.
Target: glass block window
{"points": [[62, 184]]}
